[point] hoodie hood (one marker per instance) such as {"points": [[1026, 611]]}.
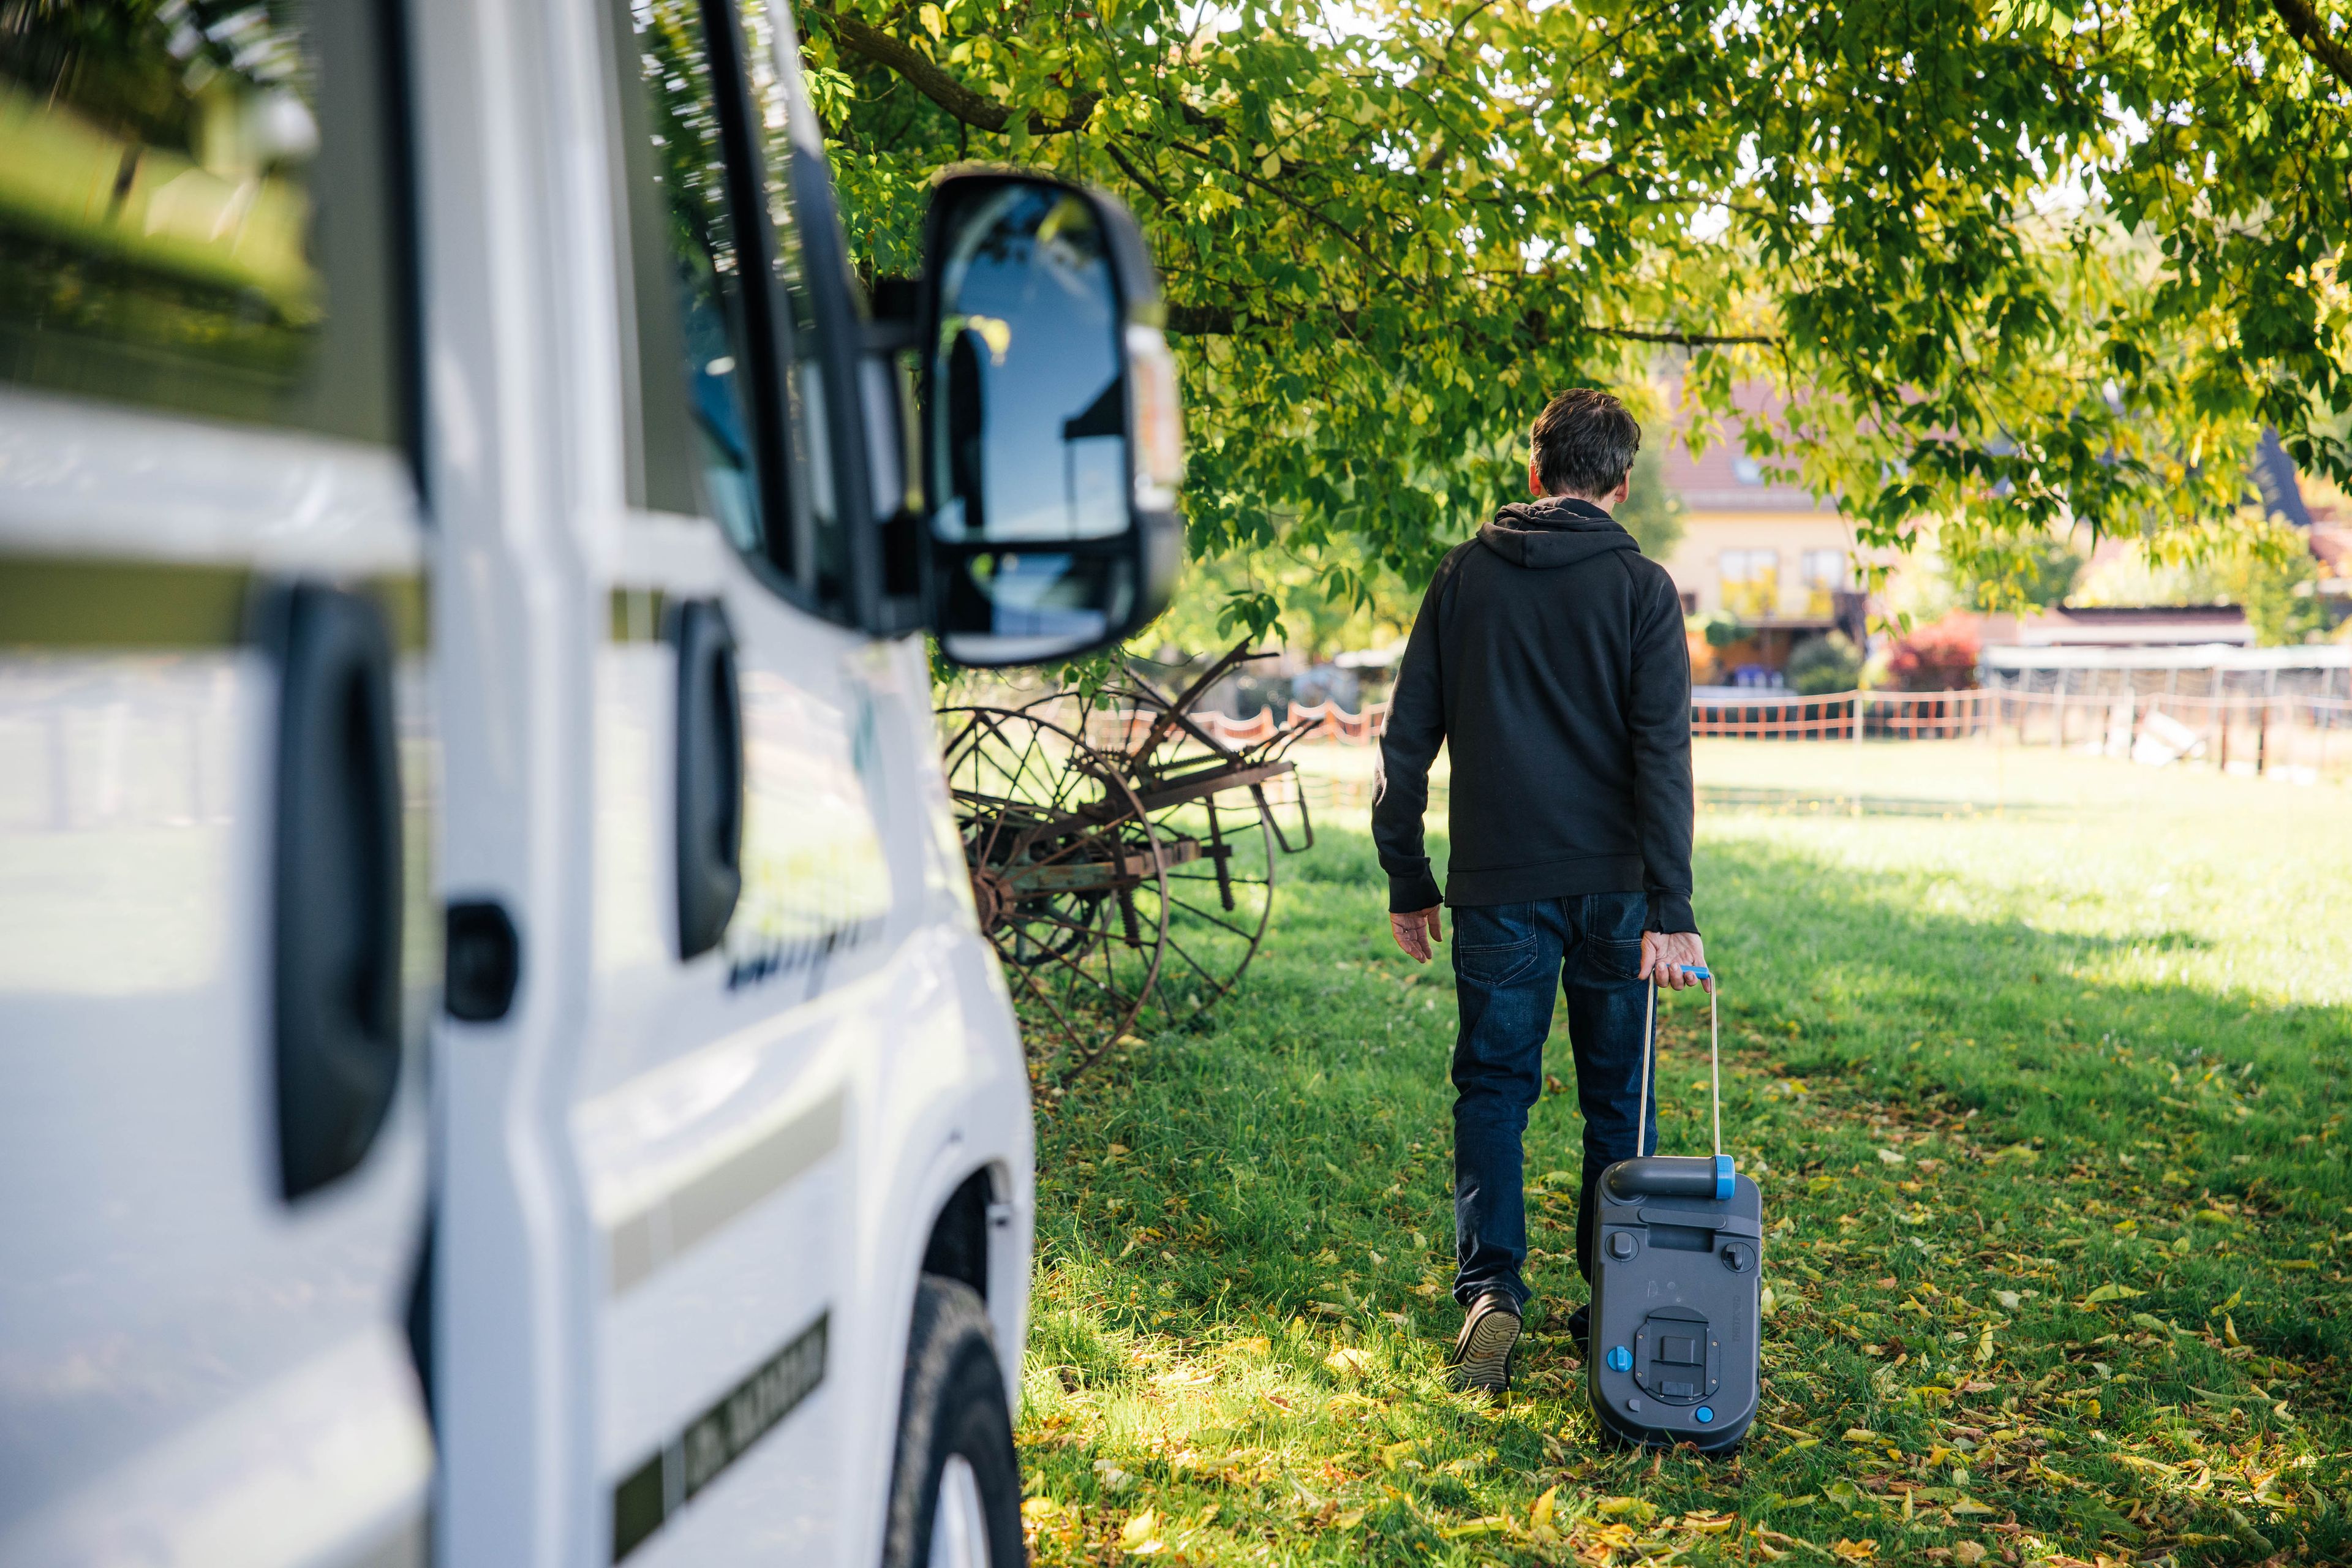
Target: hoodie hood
{"points": [[1558, 530]]}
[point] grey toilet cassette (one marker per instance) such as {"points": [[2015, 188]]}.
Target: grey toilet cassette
{"points": [[1677, 1285]]}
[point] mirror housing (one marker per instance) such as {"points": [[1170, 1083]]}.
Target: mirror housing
{"points": [[1052, 445]]}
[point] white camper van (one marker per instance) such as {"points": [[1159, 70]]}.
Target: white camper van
{"points": [[496, 1063]]}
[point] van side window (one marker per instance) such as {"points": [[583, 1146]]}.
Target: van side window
{"points": [[726, 418], [199, 210], [823, 543]]}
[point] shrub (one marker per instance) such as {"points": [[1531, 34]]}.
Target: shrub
{"points": [[2037, 571], [1938, 657], [1720, 627], [1824, 664], [2270, 573]]}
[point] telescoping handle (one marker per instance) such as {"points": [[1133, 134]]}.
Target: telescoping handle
{"points": [[1654, 1177]]}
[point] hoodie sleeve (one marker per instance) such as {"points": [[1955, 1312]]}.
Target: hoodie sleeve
{"points": [[1660, 724], [1416, 728]]}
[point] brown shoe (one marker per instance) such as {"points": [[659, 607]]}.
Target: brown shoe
{"points": [[1482, 1352]]}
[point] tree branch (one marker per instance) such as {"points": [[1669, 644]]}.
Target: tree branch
{"points": [[1127, 168], [1223, 321], [2310, 29], [935, 82], [1681, 340], [1203, 321], [1347, 235]]}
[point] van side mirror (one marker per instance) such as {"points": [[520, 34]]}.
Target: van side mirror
{"points": [[1052, 445]]}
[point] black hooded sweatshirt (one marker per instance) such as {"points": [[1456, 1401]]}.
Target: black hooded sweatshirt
{"points": [[1549, 657]]}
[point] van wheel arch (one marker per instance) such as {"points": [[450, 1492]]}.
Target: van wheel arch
{"points": [[957, 1247]]}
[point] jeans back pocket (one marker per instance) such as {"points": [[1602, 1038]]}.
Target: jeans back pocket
{"points": [[1612, 960], [1495, 963]]}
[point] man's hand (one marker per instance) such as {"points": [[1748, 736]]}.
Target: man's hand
{"points": [[1664, 958], [1415, 931]]}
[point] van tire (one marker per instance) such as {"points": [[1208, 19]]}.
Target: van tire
{"points": [[953, 1406]]}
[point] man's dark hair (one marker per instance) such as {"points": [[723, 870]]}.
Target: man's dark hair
{"points": [[1585, 443]]}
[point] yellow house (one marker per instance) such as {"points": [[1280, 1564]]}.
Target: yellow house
{"points": [[1766, 554]]}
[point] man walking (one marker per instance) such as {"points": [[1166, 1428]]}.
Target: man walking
{"points": [[1549, 657]]}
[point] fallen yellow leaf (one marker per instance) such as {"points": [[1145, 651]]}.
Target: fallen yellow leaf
{"points": [[1541, 1515], [1349, 1362]]}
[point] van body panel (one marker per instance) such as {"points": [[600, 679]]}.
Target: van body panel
{"points": [[180, 1340], [512, 204], [653, 1235]]}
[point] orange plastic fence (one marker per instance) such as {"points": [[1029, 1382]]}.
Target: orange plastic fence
{"points": [[1899, 715], [2240, 731]]}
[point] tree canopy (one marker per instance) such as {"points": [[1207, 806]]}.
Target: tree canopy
{"points": [[2003, 264]]}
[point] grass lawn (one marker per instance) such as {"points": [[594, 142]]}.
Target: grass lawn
{"points": [[2040, 1061]]}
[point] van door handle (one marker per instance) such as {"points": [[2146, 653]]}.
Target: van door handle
{"points": [[335, 883], [709, 775]]}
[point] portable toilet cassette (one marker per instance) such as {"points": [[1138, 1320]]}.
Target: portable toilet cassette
{"points": [[1678, 1271]]}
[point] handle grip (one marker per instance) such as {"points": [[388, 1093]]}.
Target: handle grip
{"points": [[336, 887], [709, 775], [1672, 1176]]}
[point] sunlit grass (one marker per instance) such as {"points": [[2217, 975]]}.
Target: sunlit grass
{"points": [[2048, 1111]]}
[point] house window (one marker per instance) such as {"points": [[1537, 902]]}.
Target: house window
{"points": [[1823, 572], [1751, 582]]}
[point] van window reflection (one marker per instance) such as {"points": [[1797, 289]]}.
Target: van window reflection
{"points": [[196, 212], [1033, 399], [705, 258]]}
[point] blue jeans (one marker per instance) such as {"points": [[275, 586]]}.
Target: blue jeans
{"points": [[1507, 959]]}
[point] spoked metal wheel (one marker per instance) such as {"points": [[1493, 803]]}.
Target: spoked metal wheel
{"points": [[1067, 874], [1206, 804]]}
